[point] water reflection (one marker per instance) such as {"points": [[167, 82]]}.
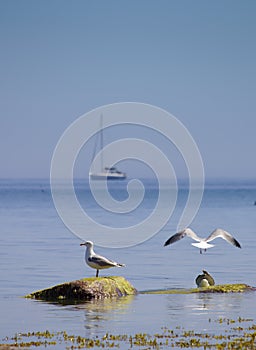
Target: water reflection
{"points": [[99, 311], [221, 303], [204, 302], [214, 305]]}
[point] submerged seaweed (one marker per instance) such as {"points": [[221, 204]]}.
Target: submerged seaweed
{"points": [[235, 337]]}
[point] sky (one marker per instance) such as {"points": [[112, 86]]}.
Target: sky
{"points": [[61, 59]]}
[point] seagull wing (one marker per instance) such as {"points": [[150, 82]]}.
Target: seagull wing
{"points": [[190, 233], [102, 261], [179, 235], [224, 235]]}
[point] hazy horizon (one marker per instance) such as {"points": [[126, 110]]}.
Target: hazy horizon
{"points": [[62, 59]]}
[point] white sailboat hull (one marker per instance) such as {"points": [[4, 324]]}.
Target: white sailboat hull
{"points": [[107, 176]]}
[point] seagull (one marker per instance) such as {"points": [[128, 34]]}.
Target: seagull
{"points": [[96, 261], [203, 242]]}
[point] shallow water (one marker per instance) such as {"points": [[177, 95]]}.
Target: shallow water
{"points": [[38, 251]]}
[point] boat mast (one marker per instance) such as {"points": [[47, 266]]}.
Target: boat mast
{"points": [[101, 141]]}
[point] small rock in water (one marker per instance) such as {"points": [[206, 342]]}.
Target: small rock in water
{"points": [[86, 289]]}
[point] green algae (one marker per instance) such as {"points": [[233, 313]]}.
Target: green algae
{"points": [[223, 288], [241, 336], [117, 286], [227, 288], [86, 289]]}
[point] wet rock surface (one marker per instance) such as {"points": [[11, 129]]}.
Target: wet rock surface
{"points": [[86, 289]]}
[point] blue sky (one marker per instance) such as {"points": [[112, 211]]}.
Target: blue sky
{"points": [[61, 59]]}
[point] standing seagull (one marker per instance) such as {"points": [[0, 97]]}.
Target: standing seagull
{"points": [[96, 261], [203, 242]]}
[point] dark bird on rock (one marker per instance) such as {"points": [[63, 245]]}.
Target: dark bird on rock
{"points": [[205, 280]]}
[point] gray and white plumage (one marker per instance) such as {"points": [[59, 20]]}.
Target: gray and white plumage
{"points": [[203, 242], [96, 261], [205, 280]]}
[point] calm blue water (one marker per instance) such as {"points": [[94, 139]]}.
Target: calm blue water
{"points": [[38, 251]]}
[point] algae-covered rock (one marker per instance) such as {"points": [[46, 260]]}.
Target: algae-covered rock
{"points": [[222, 288], [227, 288], [86, 289]]}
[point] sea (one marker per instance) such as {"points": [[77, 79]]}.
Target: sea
{"points": [[38, 250]]}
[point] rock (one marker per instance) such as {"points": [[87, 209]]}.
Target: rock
{"points": [[222, 288], [228, 288], [86, 289]]}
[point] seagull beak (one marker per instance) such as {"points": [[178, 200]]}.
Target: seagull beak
{"points": [[82, 243]]}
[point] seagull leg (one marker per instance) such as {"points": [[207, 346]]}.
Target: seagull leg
{"points": [[97, 273], [200, 251]]}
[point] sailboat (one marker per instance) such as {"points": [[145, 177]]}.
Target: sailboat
{"points": [[106, 173]]}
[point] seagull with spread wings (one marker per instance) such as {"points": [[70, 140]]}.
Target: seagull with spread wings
{"points": [[203, 242]]}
